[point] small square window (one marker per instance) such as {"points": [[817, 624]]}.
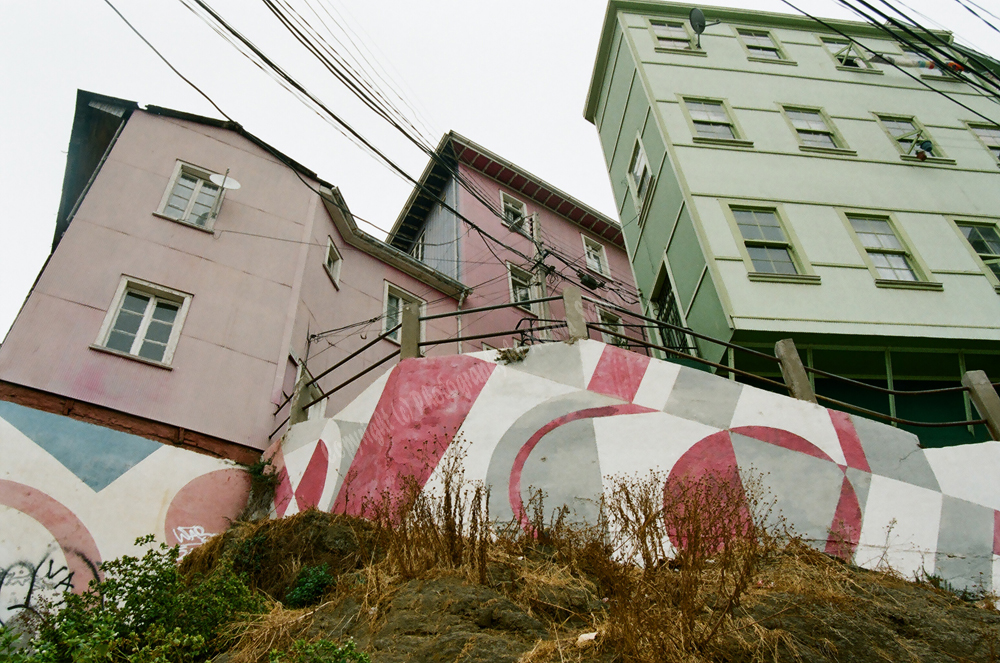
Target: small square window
{"points": [[988, 135], [522, 288], [908, 135], [711, 120], [395, 299], [672, 35], [639, 175], [144, 321], [333, 262], [985, 241], [611, 322], [769, 249], [760, 44], [596, 256], [890, 258], [515, 214], [847, 53], [191, 197], [812, 128]]}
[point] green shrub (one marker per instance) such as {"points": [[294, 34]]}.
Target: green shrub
{"points": [[145, 611], [309, 587], [321, 651]]}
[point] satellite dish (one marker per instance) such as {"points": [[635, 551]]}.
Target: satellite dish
{"points": [[697, 19], [225, 181]]}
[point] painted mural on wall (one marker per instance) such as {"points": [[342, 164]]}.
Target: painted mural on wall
{"points": [[569, 418], [74, 494]]}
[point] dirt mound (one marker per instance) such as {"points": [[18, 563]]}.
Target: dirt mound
{"points": [[414, 591]]}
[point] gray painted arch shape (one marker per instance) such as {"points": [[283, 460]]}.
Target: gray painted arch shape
{"points": [[504, 454]]}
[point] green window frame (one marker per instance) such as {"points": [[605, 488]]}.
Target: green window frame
{"points": [[768, 247], [887, 252], [983, 240], [848, 55], [640, 177], [907, 133], [988, 135], [672, 37], [814, 130], [712, 121], [762, 46]]}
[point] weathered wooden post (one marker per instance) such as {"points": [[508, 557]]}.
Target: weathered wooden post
{"points": [[793, 372], [985, 398], [409, 335], [576, 324]]}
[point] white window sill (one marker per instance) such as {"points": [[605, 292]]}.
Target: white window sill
{"points": [[125, 355], [333, 279], [728, 142], [184, 223], [909, 285], [811, 279]]}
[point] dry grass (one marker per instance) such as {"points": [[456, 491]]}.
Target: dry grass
{"points": [[254, 639]]}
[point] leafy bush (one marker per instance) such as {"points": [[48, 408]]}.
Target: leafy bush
{"points": [[309, 587], [144, 611], [321, 651]]}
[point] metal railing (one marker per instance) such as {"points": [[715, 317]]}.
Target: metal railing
{"points": [[794, 374]]}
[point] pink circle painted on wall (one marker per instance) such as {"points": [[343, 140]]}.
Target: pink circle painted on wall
{"points": [[205, 507]]}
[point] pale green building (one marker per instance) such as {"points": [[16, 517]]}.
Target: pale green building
{"points": [[777, 181]]}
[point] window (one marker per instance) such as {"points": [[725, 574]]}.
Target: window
{"points": [[988, 135], [515, 214], [769, 249], [395, 299], [144, 321], [666, 310], [915, 59], [710, 120], [596, 256], [611, 322], [760, 45], [672, 36], [333, 262], [418, 248], [522, 287], [891, 260], [639, 174], [985, 241], [812, 128], [905, 132], [191, 197], [847, 54]]}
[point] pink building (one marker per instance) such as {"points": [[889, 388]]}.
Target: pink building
{"points": [[509, 236], [197, 273]]}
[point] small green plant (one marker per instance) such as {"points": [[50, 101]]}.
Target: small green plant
{"points": [[263, 481], [309, 587], [320, 651], [144, 611]]}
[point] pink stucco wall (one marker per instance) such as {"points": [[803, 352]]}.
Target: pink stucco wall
{"points": [[258, 287], [488, 277]]}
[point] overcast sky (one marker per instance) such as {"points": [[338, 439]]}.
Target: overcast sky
{"points": [[510, 75]]}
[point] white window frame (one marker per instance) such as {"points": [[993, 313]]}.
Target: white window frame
{"points": [[522, 225], [753, 50], [203, 175], [333, 256], [156, 293], [975, 128], [848, 49], [614, 321], [605, 269], [525, 277], [404, 298], [419, 246], [690, 49]]}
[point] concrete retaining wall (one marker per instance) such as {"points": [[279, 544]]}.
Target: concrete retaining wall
{"points": [[74, 494], [570, 417]]}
